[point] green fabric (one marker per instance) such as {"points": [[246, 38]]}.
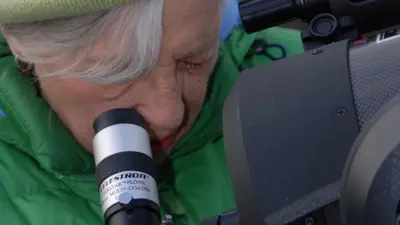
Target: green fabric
{"points": [[17, 11], [47, 178]]}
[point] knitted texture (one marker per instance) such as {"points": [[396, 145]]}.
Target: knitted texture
{"points": [[17, 11]]}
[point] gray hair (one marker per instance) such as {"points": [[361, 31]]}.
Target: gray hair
{"points": [[136, 37]]}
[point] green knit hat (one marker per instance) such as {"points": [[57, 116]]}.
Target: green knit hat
{"points": [[17, 11]]}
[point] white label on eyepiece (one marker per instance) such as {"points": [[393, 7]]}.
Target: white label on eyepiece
{"points": [[140, 185]]}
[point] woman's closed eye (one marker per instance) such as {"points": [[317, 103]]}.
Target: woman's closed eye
{"points": [[195, 64], [190, 65], [197, 59]]}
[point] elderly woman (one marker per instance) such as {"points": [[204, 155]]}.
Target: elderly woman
{"points": [[62, 63]]}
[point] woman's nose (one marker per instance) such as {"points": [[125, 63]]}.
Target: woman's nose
{"points": [[162, 106]]}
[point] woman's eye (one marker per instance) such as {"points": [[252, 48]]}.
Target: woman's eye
{"points": [[190, 65]]}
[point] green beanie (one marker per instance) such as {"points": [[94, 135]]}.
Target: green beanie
{"points": [[18, 11]]}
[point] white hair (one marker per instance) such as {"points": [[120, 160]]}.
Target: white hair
{"points": [[136, 38]]}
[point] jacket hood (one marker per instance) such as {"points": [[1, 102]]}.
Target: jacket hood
{"points": [[32, 126], [18, 11]]}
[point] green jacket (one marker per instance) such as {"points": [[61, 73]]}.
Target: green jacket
{"points": [[48, 179]]}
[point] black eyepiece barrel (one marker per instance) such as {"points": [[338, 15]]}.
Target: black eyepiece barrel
{"points": [[257, 15], [117, 116]]}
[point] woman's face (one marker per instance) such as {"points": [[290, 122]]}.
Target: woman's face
{"points": [[170, 98]]}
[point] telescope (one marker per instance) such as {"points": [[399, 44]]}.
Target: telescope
{"points": [[322, 145], [328, 20]]}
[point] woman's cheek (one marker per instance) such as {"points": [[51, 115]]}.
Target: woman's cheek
{"points": [[194, 89]]}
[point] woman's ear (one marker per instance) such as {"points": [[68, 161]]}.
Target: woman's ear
{"points": [[22, 66], [10, 42]]}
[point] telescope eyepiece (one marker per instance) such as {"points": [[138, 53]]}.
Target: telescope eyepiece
{"points": [[125, 169]]}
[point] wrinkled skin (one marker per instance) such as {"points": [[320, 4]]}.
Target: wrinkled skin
{"points": [[170, 98]]}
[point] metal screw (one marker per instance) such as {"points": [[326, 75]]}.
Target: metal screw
{"points": [[125, 198], [317, 51], [309, 221], [167, 220], [341, 112]]}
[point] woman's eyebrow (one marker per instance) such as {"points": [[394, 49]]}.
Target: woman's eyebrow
{"points": [[200, 49]]}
